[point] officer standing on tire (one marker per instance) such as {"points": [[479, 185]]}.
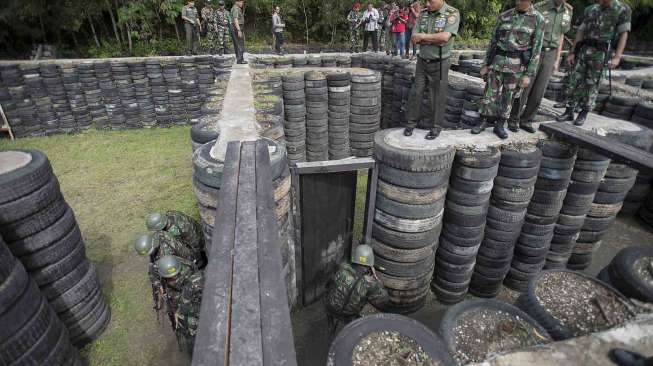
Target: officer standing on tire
{"points": [[434, 32], [557, 21], [353, 286], [221, 21], [180, 226], [183, 299], [511, 63], [192, 26], [604, 30]]}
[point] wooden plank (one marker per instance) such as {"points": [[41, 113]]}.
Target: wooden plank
{"points": [[276, 328], [245, 348], [212, 341], [334, 166], [297, 221], [327, 205], [370, 203], [615, 150]]}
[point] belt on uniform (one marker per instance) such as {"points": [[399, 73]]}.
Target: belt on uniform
{"points": [[547, 49], [594, 43], [511, 54], [433, 60]]}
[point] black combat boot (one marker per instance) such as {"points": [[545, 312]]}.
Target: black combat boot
{"points": [[499, 128], [481, 126], [582, 116], [624, 357], [434, 132], [513, 125], [220, 51], [527, 126], [408, 131], [567, 116]]}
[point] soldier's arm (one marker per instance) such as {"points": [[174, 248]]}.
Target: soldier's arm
{"points": [[536, 49], [377, 295], [183, 15], [623, 28], [489, 55], [561, 44]]}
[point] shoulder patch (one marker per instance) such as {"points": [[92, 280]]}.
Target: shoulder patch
{"points": [[451, 19]]}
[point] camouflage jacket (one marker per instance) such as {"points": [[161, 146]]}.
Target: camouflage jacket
{"points": [[207, 16], [190, 299], [368, 289], [605, 23], [185, 229], [354, 18], [221, 18], [521, 32]]}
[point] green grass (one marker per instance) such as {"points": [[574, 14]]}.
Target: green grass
{"points": [[113, 180]]}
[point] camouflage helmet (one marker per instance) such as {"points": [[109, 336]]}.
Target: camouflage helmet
{"points": [[156, 221], [169, 266], [363, 255], [145, 244]]}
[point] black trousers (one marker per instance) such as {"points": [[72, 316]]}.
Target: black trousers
{"points": [[278, 41], [375, 41], [239, 44]]}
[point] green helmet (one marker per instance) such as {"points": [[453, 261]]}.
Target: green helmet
{"points": [[363, 255], [169, 266], [156, 221], [145, 244]]}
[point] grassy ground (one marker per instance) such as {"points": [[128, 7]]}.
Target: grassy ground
{"points": [[113, 180]]}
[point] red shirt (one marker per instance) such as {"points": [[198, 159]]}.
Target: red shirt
{"points": [[399, 21]]}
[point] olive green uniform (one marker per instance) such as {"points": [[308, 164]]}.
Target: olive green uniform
{"points": [[239, 42], [351, 290], [557, 21], [192, 31], [433, 64]]}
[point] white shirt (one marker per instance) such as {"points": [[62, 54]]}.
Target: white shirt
{"points": [[372, 25]]}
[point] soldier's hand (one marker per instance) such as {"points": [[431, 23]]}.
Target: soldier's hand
{"points": [[570, 59], [240, 34], [416, 38], [484, 71], [614, 62], [524, 82]]}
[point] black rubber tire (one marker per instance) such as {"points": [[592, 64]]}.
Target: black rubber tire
{"points": [[13, 284], [556, 149], [58, 287], [408, 211], [475, 174], [598, 223], [31, 203], [545, 184], [472, 158], [202, 133], [340, 352], [518, 173], [403, 240], [401, 269], [33, 224], [24, 307], [79, 291], [450, 319], [46, 236], [402, 255], [411, 195], [26, 179], [61, 268], [511, 157], [467, 199], [94, 330], [514, 183], [625, 280], [469, 186], [53, 252], [419, 180], [578, 187], [424, 160]]}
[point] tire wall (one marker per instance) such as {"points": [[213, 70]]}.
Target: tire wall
{"points": [[43, 98]]}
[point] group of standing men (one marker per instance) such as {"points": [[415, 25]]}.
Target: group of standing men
{"points": [[218, 23], [524, 51], [175, 247]]}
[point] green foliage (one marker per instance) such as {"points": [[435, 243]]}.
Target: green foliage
{"points": [[478, 16]]}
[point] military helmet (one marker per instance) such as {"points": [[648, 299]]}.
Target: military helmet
{"points": [[169, 266], [145, 244], [363, 255], [221, 2], [156, 221]]}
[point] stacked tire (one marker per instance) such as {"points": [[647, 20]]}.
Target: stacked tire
{"points": [[203, 133], [555, 89], [192, 98], [623, 272], [365, 112], [159, 92], [72, 84], [454, 108], [465, 213], [46, 115], [299, 61], [620, 107], [294, 108], [313, 61], [52, 79], [533, 244], [338, 114], [387, 95], [269, 101], [143, 93], [31, 334], [328, 61], [512, 191], [110, 97], [643, 115], [412, 187], [123, 79], [41, 231], [357, 60], [403, 79], [11, 92], [343, 61], [283, 63], [91, 90], [588, 170], [470, 115], [637, 194], [607, 202], [317, 121]]}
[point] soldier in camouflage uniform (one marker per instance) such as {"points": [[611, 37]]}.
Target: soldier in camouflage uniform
{"points": [[382, 31], [183, 288], [221, 20], [353, 286], [604, 29], [180, 226], [208, 26], [355, 18], [510, 63]]}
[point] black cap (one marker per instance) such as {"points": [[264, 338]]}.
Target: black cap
{"points": [[221, 2]]}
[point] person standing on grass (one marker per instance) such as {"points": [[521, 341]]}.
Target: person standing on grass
{"points": [[414, 10], [398, 21], [238, 18], [277, 29], [371, 24], [192, 26]]}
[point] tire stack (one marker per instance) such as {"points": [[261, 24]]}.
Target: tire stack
{"points": [[73, 86], [54, 86], [357, 60], [202, 133], [222, 67], [339, 85], [313, 61], [329, 61], [159, 92], [455, 100], [471, 67], [34, 88], [602, 98], [470, 116], [403, 79], [643, 114], [411, 192], [365, 116], [620, 107], [175, 94], [555, 89], [283, 63], [613, 188], [588, 170], [31, 332], [511, 194], [294, 108], [373, 61], [47, 116], [624, 272], [317, 121], [93, 96], [529, 256], [637, 194], [387, 95], [205, 76], [465, 214], [110, 96], [143, 93], [192, 98], [41, 231], [13, 91], [123, 79], [634, 81], [343, 61], [299, 61]]}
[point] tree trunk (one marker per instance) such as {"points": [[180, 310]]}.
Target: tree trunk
{"points": [[123, 36], [305, 20], [43, 33], [90, 22], [129, 38], [75, 40], [177, 32], [113, 24]]}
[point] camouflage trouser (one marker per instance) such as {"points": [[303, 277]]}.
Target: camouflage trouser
{"points": [[584, 80], [500, 91], [185, 332], [221, 37], [354, 39], [382, 34]]}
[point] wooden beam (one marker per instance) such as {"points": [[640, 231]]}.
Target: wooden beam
{"points": [[245, 346], [297, 221], [334, 166], [370, 204], [276, 327], [615, 150], [212, 341]]}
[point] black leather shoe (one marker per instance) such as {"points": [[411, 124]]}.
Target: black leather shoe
{"points": [[480, 127], [527, 126], [499, 129], [567, 116], [582, 116], [434, 132], [408, 131], [624, 357], [513, 126]]}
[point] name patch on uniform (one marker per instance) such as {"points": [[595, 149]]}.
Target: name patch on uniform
{"points": [[451, 19], [566, 17], [440, 23]]}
